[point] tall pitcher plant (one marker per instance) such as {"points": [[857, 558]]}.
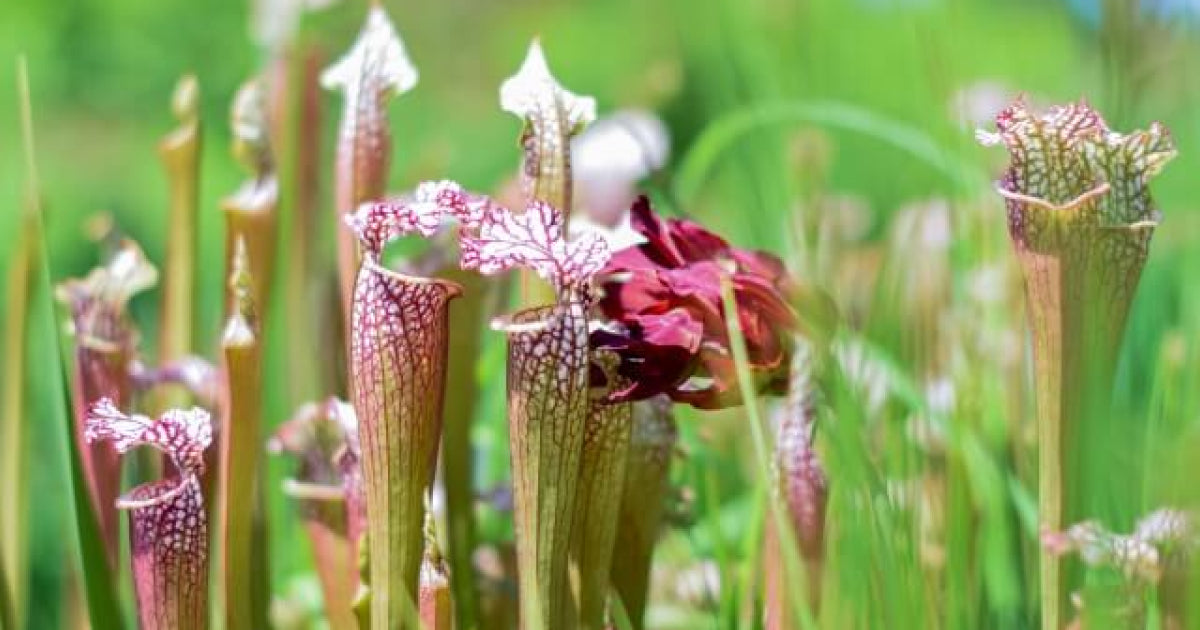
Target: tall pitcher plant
{"points": [[1080, 217], [398, 351], [398, 325]]}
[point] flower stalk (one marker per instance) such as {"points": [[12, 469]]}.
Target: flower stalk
{"points": [[295, 129], [1080, 217], [180, 155], [168, 523], [399, 345], [105, 347], [374, 69]]}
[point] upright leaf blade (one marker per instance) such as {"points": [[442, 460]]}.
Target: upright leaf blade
{"points": [[13, 442], [103, 612]]}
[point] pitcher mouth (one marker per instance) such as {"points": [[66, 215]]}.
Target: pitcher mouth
{"points": [[132, 500], [528, 320], [452, 289], [1099, 191]]}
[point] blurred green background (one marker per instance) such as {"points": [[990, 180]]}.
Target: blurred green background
{"points": [[921, 73]]}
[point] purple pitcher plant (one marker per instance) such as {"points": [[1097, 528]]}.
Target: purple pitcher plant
{"points": [[168, 521]]}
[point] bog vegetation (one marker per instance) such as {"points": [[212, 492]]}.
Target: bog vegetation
{"points": [[761, 335]]}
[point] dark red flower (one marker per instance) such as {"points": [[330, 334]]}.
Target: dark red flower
{"points": [[664, 297]]}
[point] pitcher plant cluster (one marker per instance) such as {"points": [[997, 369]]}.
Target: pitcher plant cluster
{"points": [[623, 313]]}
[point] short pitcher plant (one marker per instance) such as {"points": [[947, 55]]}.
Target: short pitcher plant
{"points": [[168, 521]]}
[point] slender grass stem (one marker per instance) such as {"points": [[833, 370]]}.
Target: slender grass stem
{"points": [[13, 440], [762, 448]]}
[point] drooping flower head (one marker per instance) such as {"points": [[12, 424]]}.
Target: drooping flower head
{"points": [[665, 295], [168, 525]]}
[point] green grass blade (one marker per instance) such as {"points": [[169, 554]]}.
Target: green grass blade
{"points": [[8, 614], [724, 133], [763, 448], [14, 443], [103, 611], [616, 608]]}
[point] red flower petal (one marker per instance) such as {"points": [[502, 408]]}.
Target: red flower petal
{"points": [[674, 242], [668, 292]]}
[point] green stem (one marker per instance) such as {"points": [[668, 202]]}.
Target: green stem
{"points": [[8, 614], [457, 457], [647, 484], [763, 448], [180, 154]]}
